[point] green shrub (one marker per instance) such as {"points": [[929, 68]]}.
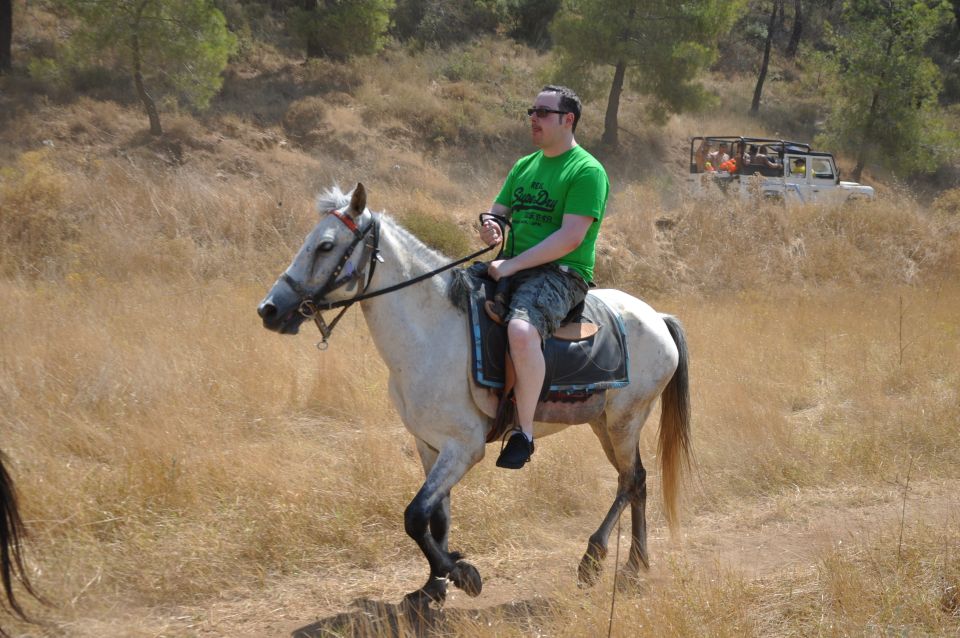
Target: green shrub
{"points": [[51, 75]]}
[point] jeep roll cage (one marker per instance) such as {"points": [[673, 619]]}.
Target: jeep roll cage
{"points": [[781, 147]]}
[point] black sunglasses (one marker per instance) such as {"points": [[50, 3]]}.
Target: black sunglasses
{"points": [[542, 113]]}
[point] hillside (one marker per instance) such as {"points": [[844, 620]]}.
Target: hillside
{"points": [[183, 472]]}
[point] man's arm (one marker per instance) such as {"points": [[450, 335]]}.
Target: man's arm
{"points": [[490, 232], [558, 244]]}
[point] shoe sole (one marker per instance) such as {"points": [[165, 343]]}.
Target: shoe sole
{"points": [[511, 466]]}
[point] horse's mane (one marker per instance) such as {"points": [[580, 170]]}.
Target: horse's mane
{"points": [[424, 257], [332, 198]]}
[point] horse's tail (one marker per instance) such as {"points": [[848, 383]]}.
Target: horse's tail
{"points": [[11, 550], [675, 447]]}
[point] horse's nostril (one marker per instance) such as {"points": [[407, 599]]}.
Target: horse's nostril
{"points": [[267, 310]]}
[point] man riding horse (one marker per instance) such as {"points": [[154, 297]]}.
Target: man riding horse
{"points": [[555, 198]]}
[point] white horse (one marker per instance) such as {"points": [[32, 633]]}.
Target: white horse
{"points": [[423, 338]]}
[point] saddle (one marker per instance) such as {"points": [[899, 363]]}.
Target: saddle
{"points": [[584, 358]]}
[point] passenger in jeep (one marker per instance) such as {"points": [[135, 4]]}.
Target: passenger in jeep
{"points": [[799, 167], [719, 156], [758, 158], [702, 156]]}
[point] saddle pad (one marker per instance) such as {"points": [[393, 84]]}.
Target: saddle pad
{"points": [[590, 365]]}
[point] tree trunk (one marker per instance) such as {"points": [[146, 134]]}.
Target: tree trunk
{"points": [[611, 128], [314, 45], [868, 134], [6, 35], [758, 91], [956, 24], [794, 43], [148, 104], [862, 151]]}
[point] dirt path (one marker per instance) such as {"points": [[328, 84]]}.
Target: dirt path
{"points": [[788, 532]]}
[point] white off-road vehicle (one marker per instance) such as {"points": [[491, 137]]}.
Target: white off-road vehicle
{"points": [[774, 169]]}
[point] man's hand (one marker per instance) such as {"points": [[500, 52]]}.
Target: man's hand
{"points": [[500, 268], [490, 232]]}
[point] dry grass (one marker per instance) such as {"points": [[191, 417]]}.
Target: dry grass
{"points": [[184, 472]]}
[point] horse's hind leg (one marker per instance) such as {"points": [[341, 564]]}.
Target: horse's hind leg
{"points": [[431, 508], [621, 445], [638, 516]]}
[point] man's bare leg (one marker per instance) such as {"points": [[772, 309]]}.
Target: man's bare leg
{"points": [[531, 368]]}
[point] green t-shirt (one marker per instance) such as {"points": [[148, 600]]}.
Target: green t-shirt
{"points": [[540, 190]]}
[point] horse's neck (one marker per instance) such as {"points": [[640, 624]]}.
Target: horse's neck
{"points": [[413, 317]]}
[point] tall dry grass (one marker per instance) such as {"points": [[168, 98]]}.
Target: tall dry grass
{"points": [[174, 458]]}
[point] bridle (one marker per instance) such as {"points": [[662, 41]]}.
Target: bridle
{"points": [[311, 305]]}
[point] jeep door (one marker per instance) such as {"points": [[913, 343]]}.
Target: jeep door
{"points": [[797, 188], [822, 178]]}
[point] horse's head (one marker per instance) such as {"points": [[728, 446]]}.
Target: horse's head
{"points": [[329, 266]]}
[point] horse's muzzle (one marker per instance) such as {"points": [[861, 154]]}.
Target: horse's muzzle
{"points": [[285, 322]]}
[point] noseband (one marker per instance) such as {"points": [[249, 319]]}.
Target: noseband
{"points": [[311, 305]]}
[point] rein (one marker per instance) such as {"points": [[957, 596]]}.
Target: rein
{"points": [[312, 305]]}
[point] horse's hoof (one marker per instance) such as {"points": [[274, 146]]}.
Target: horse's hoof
{"points": [[419, 604], [630, 583], [588, 573], [466, 577], [435, 591]]}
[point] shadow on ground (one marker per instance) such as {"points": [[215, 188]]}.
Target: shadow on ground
{"points": [[371, 618]]}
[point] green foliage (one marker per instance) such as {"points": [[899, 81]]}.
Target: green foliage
{"points": [[882, 87], [664, 44], [49, 73], [340, 30], [466, 65], [945, 52], [445, 23], [238, 22], [183, 45], [529, 20]]}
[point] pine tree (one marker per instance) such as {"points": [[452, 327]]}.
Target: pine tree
{"points": [[339, 30], [662, 44], [882, 86], [176, 47]]}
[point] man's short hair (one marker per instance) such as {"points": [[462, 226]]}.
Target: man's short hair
{"points": [[569, 101]]}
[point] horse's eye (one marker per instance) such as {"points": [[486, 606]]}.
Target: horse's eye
{"points": [[325, 246]]}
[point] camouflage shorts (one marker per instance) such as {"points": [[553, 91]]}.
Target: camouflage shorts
{"points": [[543, 296]]}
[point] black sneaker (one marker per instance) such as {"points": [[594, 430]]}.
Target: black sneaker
{"points": [[516, 452]]}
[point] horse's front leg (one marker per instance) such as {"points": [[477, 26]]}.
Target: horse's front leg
{"points": [[430, 508], [435, 589]]}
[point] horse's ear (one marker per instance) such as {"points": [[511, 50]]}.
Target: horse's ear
{"points": [[358, 203]]}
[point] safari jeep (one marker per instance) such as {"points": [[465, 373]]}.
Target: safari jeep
{"points": [[776, 169]]}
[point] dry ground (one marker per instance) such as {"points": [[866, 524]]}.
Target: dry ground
{"points": [[258, 504]]}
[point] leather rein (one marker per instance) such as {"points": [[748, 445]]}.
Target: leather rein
{"points": [[311, 305]]}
